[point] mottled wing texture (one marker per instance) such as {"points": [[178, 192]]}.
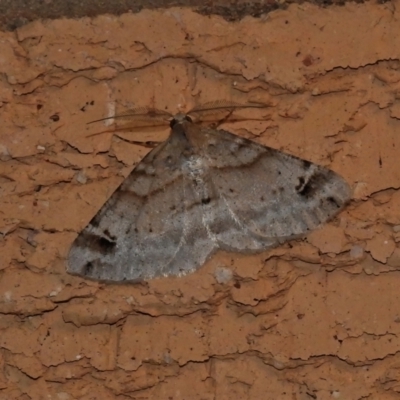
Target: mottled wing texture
{"points": [[262, 197], [201, 190], [151, 226]]}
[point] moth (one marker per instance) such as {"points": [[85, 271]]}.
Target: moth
{"points": [[201, 190]]}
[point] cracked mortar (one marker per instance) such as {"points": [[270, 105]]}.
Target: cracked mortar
{"points": [[313, 319]]}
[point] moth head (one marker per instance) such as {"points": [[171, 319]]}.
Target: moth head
{"points": [[179, 118]]}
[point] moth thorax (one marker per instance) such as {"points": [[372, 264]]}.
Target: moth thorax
{"points": [[180, 118], [195, 167]]}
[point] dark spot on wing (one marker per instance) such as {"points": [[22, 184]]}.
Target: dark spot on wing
{"points": [[308, 188], [105, 244], [108, 234], [306, 164], [88, 268], [300, 184], [333, 201], [95, 242], [206, 200], [95, 222]]}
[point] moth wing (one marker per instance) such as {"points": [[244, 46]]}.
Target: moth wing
{"points": [[264, 197], [152, 225]]}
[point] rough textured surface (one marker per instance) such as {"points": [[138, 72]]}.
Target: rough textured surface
{"points": [[312, 319], [16, 13]]}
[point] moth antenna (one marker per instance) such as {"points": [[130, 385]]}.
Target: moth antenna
{"points": [[150, 116], [127, 128], [137, 113], [222, 104]]}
